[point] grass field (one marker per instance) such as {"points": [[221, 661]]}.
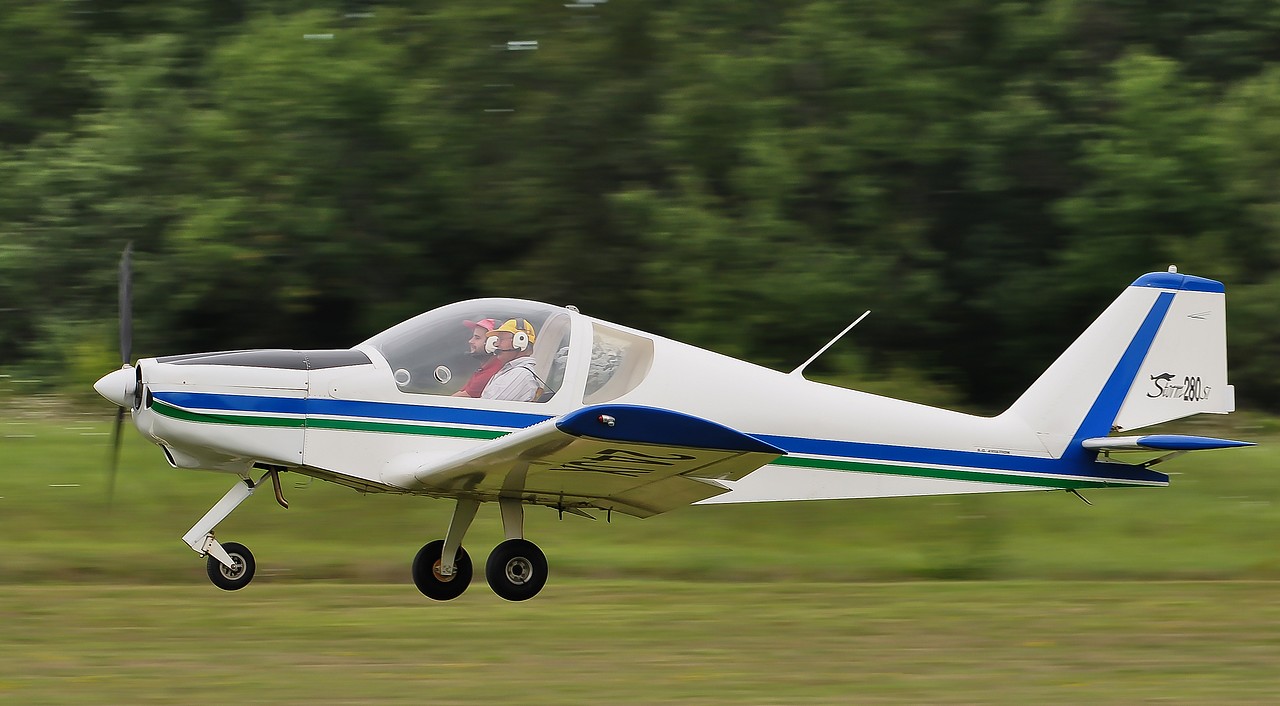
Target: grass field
{"points": [[834, 602], [646, 641], [1219, 519]]}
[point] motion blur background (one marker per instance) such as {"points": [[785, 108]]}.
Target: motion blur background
{"points": [[745, 176]]}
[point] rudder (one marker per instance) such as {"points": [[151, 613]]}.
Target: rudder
{"points": [[1185, 372]]}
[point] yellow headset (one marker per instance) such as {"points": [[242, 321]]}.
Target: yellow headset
{"points": [[522, 336]]}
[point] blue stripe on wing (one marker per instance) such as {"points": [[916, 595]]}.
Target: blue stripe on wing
{"points": [[652, 425]]}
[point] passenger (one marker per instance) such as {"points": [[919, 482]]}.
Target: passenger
{"points": [[510, 343], [479, 331]]}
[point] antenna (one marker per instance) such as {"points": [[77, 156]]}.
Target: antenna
{"points": [[830, 343]]}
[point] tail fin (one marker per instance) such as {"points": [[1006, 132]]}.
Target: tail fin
{"points": [[1158, 353]]}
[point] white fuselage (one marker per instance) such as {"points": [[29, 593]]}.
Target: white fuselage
{"points": [[356, 425]]}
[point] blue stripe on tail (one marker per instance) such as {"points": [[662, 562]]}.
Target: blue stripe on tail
{"points": [[1105, 408]]}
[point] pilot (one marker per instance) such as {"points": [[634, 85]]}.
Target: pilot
{"points": [[479, 331], [511, 344]]}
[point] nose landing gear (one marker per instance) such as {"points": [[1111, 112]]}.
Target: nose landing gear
{"points": [[230, 566]]}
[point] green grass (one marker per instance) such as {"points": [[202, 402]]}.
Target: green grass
{"points": [[645, 641], [794, 603], [1219, 519]]}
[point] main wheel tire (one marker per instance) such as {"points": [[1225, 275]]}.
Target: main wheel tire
{"points": [[516, 570], [237, 576], [426, 572]]}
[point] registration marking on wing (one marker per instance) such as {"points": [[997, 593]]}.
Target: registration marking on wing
{"points": [[626, 462]]}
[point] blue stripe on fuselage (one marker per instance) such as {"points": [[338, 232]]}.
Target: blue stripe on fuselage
{"points": [[390, 411], [1081, 467]]}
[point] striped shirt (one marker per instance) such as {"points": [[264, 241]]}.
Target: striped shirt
{"points": [[514, 381]]}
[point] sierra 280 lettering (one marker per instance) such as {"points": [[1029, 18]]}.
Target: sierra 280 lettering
{"points": [[1192, 388]]}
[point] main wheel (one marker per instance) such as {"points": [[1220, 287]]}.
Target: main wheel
{"points": [[426, 572], [516, 570], [238, 575]]}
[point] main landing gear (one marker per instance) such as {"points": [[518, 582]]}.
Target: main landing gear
{"points": [[516, 570]]}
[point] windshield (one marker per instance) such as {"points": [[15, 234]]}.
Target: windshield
{"points": [[442, 352]]}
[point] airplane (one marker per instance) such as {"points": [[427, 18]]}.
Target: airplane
{"points": [[615, 419]]}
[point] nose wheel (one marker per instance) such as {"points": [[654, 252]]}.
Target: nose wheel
{"points": [[236, 576]]}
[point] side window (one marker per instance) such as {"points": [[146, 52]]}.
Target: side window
{"points": [[619, 361]]}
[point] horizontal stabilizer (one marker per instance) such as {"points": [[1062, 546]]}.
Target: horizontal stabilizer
{"points": [[1161, 442]]}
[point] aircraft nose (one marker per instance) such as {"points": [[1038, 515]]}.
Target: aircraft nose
{"points": [[117, 386]]}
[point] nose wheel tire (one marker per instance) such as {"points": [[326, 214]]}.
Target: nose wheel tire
{"points": [[516, 570], [238, 575], [429, 580]]}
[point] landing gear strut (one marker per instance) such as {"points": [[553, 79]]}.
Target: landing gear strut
{"points": [[442, 569]]}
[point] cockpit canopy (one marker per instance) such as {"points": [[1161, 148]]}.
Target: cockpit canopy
{"points": [[430, 353]]}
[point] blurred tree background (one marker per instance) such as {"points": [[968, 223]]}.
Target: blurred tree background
{"points": [[745, 176]]}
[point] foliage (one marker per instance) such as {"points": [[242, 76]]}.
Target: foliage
{"points": [[746, 177]]}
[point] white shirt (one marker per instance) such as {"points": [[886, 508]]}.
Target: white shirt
{"points": [[513, 381]]}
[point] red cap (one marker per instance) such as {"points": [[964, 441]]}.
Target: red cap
{"points": [[486, 324]]}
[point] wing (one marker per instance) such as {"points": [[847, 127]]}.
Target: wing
{"points": [[637, 460]]}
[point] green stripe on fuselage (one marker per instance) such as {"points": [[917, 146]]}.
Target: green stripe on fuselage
{"points": [[322, 423], [950, 473], [358, 425], [243, 420], [976, 476]]}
